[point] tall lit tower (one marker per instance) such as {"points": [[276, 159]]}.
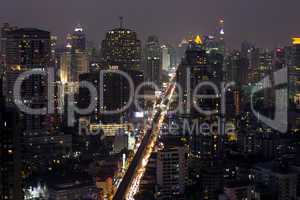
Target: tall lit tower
{"points": [[294, 74], [153, 63], [121, 47], [221, 35], [74, 60], [221, 28]]}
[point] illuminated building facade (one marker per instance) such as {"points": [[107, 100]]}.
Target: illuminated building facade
{"points": [[166, 58], [5, 29], [74, 61], [294, 74], [121, 47], [28, 48], [198, 66], [78, 39], [171, 171], [153, 62]]}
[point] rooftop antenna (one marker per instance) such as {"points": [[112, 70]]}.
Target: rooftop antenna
{"points": [[121, 22]]}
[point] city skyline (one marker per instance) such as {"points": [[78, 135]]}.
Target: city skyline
{"points": [[149, 100], [247, 20]]}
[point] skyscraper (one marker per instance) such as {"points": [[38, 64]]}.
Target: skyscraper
{"points": [[74, 60], [27, 49], [116, 94], [121, 47], [294, 74], [171, 171], [5, 29], [10, 143], [200, 66], [166, 58], [78, 39], [30, 49], [153, 64], [196, 67]]}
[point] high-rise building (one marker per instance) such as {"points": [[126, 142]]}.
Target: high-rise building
{"points": [[233, 68], [197, 67], [74, 60], [166, 58], [65, 73], [28, 48], [294, 74], [78, 39], [171, 171], [279, 59], [5, 29], [116, 95], [10, 144], [121, 47], [153, 62]]}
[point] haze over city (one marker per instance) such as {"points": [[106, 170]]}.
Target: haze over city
{"points": [[268, 23]]}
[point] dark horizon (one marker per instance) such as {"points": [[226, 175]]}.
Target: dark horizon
{"points": [[269, 24]]}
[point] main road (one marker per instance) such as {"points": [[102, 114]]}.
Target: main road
{"points": [[131, 180]]}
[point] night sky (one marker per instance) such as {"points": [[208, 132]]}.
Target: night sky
{"points": [[267, 23]]}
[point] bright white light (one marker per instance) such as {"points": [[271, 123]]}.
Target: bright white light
{"points": [[222, 32], [139, 114]]}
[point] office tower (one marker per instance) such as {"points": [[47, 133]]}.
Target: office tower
{"points": [[121, 142], [246, 51], [171, 171], [180, 51], [294, 74], [153, 62], [292, 55], [166, 58], [74, 60], [116, 94], [121, 47], [10, 143], [54, 61], [213, 43], [265, 62], [279, 59], [79, 65], [254, 59], [233, 67], [30, 49], [173, 56], [221, 31], [197, 67], [65, 73], [78, 39], [5, 29]]}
